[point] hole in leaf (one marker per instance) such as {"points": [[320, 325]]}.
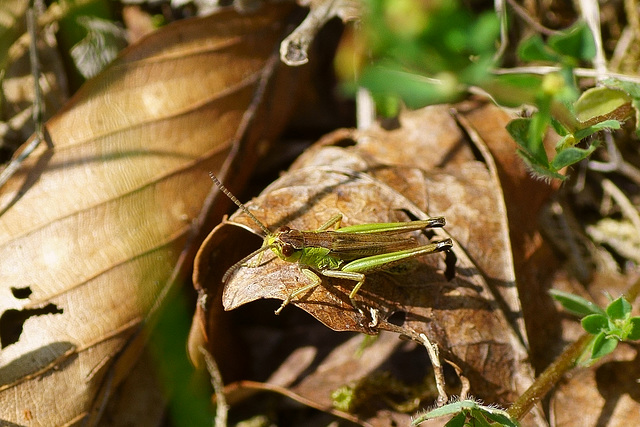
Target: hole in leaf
{"points": [[12, 321], [21, 293], [397, 318]]}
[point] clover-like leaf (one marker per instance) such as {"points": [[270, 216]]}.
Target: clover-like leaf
{"points": [[619, 309], [595, 323], [457, 421], [577, 42], [572, 155], [596, 127], [634, 333], [477, 412], [575, 304], [534, 49], [603, 345], [520, 130]]}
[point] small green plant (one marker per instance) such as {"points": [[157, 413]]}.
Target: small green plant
{"points": [[575, 117], [469, 413], [421, 53], [608, 326], [381, 387]]}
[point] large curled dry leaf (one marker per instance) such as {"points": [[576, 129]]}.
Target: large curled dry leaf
{"points": [[93, 229], [423, 168]]}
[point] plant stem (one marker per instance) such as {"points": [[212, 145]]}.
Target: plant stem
{"points": [[549, 378], [554, 372], [632, 292]]}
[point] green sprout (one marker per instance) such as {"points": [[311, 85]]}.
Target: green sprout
{"points": [[469, 412], [608, 327]]}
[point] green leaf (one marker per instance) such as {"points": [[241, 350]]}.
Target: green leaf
{"points": [[478, 419], [567, 141], [457, 421], [575, 304], [601, 103], [633, 90], [577, 42], [603, 346], [619, 309], [597, 127], [572, 155], [540, 171], [559, 128], [415, 90], [502, 419], [448, 409], [484, 33], [521, 130], [595, 323], [513, 90], [99, 47], [634, 333], [534, 49], [387, 105]]}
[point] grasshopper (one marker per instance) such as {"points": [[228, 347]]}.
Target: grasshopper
{"points": [[344, 252]]}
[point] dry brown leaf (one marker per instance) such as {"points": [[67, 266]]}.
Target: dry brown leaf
{"points": [[534, 261], [380, 176], [93, 228]]}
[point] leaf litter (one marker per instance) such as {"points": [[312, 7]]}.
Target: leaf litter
{"points": [[461, 314]]}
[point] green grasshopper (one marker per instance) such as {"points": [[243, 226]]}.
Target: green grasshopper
{"points": [[344, 253]]}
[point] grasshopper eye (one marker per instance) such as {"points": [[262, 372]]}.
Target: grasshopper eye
{"points": [[284, 229], [287, 250]]}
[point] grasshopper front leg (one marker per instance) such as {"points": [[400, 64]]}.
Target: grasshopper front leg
{"points": [[315, 281]]}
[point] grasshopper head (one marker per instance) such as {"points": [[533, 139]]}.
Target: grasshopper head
{"points": [[287, 243]]}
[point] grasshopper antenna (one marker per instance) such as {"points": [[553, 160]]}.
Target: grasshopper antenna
{"points": [[233, 198], [243, 262]]}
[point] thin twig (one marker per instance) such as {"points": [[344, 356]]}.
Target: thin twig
{"points": [[579, 72], [615, 158], [438, 372], [501, 11], [590, 11], [222, 407], [38, 105], [628, 210], [365, 109], [522, 13]]}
